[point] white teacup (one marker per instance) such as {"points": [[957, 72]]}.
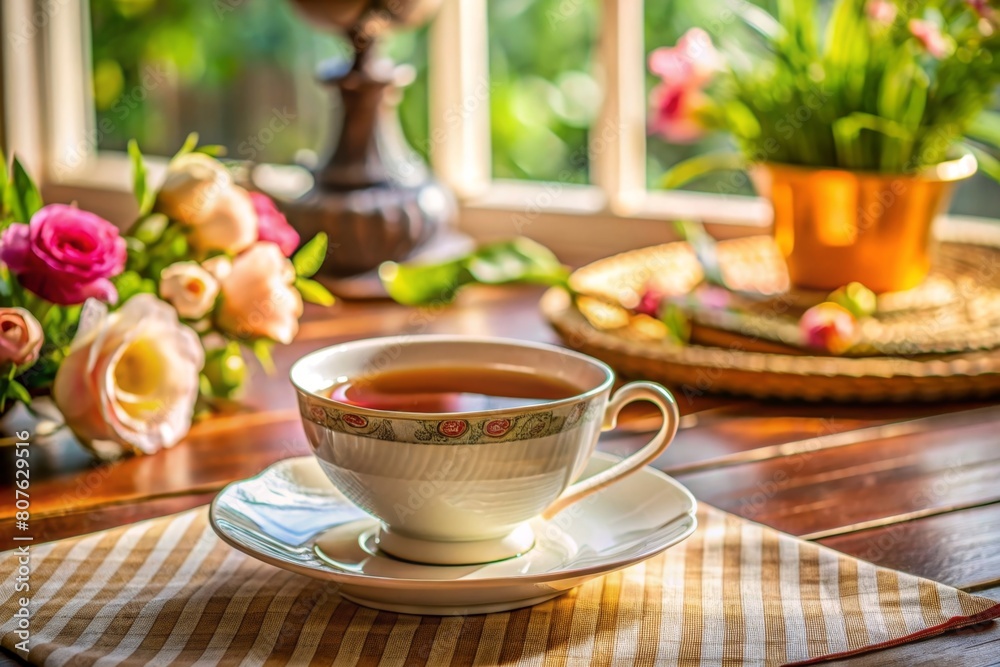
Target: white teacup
{"points": [[458, 488]]}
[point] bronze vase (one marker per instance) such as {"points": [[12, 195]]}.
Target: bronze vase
{"points": [[373, 196]]}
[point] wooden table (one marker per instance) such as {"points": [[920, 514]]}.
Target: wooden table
{"points": [[916, 488]]}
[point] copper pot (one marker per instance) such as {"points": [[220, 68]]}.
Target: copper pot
{"points": [[837, 226]]}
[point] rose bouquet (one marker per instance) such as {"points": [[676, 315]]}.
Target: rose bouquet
{"points": [[887, 86], [131, 332]]}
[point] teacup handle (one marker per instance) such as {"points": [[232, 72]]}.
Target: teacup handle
{"points": [[633, 391]]}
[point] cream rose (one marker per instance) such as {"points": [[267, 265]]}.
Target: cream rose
{"points": [[219, 266], [130, 380], [229, 224], [21, 337], [189, 288], [258, 296], [193, 184]]}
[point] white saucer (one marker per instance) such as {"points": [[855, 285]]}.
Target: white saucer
{"points": [[292, 517]]}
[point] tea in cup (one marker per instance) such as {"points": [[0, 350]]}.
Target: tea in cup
{"points": [[455, 443]]}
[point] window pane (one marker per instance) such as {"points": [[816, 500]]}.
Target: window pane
{"points": [[544, 93], [241, 74]]}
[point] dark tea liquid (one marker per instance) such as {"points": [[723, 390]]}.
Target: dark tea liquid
{"points": [[450, 389]]}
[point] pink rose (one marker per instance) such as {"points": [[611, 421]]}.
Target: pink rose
{"points": [[882, 12], [692, 63], [649, 302], [21, 337], [828, 327], [685, 70], [675, 113], [65, 255], [982, 8], [930, 36], [273, 226], [259, 299]]}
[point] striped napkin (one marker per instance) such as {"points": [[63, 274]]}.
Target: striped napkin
{"points": [[736, 593]]}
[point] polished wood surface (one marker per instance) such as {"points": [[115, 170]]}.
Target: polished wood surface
{"points": [[916, 488]]}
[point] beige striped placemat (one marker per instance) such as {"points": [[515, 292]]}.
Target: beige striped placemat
{"points": [[168, 591]]}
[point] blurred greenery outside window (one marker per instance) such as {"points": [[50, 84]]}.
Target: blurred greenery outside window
{"points": [[241, 73]]}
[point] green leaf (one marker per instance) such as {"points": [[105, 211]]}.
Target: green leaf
{"points": [[678, 324], [314, 292], [150, 229], [225, 371], [189, 145], [518, 260], [987, 162], [705, 249], [420, 284], [17, 391], [308, 260], [130, 283], [757, 20], [21, 196], [262, 350], [213, 150], [688, 170], [4, 214], [986, 128], [848, 139], [143, 195]]}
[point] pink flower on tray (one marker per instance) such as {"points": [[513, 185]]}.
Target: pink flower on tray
{"points": [[929, 35], [272, 224], [828, 327], [21, 337], [65, 255], [649, 302]]}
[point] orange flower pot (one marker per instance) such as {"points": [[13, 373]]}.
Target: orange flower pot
{"points": [[836, 226]]}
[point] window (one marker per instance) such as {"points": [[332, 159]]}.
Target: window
{"points": [[534, 111]]}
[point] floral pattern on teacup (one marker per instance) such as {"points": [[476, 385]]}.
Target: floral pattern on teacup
{"points": [[487, 430], [535, 425], [576, 413], [452, 428], [497, 428], [357, 421]]}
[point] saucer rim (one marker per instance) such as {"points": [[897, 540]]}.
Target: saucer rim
{"points": [[361, 579]]}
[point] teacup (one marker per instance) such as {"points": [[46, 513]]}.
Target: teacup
{"points": [[460, 488]]}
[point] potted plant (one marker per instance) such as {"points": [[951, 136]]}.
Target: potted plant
{"points": [[857, 135]]}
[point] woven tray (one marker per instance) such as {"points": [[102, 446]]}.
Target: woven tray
{"points": [[902, 358]]}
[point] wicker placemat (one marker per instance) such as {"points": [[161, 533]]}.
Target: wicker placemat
{"points": [[936, 342], [168, 591]]}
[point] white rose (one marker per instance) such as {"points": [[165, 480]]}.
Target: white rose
{"points": [[130, 380], [189, 288], [229, 224], [258, 296], [219, 266], [193, 184]]}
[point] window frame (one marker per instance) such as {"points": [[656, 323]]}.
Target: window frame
{"points": [[50, 123]]}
